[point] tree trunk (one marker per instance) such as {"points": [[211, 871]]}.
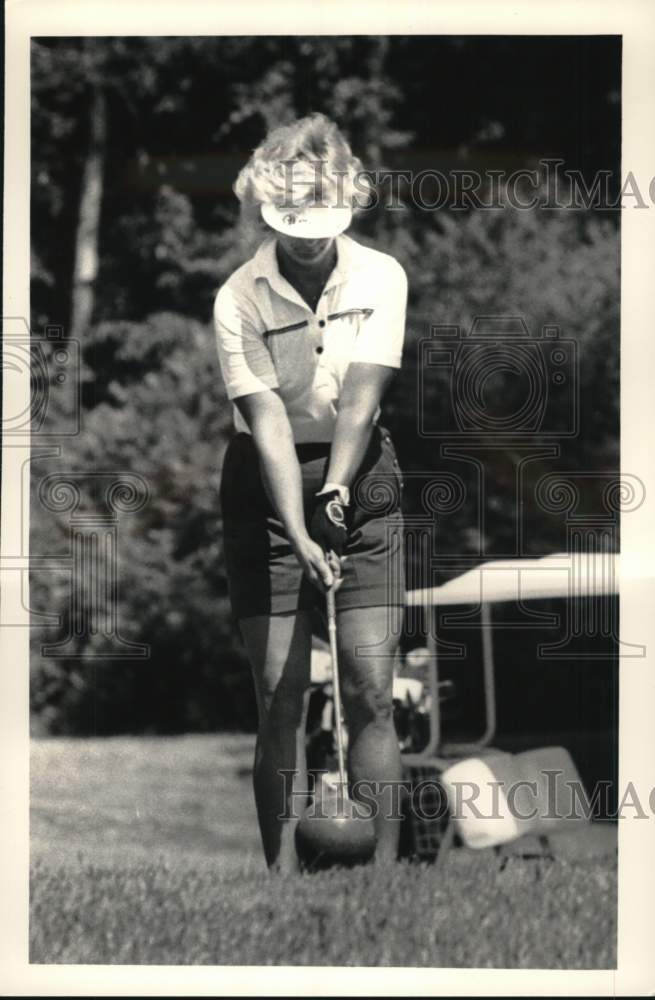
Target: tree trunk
{"points": [[85, 267]]}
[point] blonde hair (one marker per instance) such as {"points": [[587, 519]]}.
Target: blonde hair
{"points": [[306, 162]]}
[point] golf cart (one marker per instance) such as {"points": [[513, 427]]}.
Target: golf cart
{"points": [[561, 576], [421, 695]]}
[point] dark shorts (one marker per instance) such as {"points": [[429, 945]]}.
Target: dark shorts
{"points": [[264, 575]]}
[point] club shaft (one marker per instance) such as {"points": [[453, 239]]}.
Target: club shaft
{"points": [[332, 634]]}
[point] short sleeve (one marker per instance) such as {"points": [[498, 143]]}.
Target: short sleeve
{"points": [[246, 363], [381, 337]]}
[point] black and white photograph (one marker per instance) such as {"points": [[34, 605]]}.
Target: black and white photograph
{"points": [[326, 522]]}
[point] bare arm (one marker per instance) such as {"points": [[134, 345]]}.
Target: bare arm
{"points": [[363, 388], [377, 354], [266, 416]]}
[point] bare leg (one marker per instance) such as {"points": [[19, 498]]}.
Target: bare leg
{"points": [[368, 643], [279, 650]]}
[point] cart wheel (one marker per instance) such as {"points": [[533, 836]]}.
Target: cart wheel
{"points": [[423, 838]]}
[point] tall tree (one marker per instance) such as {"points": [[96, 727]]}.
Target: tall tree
{"points": [[85, 265]]}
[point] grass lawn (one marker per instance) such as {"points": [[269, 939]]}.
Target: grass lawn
{"points": [[145, 850]]}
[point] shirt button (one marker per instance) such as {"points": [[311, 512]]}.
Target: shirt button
{"points": [[321, 322], [319, 350]]}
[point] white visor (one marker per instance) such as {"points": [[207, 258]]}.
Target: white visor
{"points": [[314, 222]]}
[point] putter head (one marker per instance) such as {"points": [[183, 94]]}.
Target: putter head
{"points": [[335, 831]]}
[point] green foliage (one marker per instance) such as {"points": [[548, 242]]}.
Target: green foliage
{"points": [[165, 418], [552, 268]]}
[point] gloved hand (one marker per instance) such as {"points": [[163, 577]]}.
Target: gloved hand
{"points": [[328, 524]]}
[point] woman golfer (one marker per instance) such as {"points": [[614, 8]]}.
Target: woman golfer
{"points": [[309, 333]]}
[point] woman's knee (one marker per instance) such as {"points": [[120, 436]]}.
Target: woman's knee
{"points": [[279, 653], [283, 703]]}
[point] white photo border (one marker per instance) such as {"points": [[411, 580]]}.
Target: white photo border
{"points": [[634, 20]]}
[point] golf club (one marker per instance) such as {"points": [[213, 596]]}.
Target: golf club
{"points": [[336, 689], [345, 837]]}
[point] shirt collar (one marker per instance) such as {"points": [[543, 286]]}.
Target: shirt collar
{"points": [[265, 262]]}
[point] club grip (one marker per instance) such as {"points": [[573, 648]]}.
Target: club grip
{"points": [[331, 606]]}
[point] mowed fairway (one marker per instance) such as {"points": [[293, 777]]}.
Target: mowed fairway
{"points": [[145, 850]]}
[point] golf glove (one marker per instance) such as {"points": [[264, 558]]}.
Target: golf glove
{"points": [[328, 524]]}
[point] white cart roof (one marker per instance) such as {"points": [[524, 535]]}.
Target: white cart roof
{"points": [[562, 575]]}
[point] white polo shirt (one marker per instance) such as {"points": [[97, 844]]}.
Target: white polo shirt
{"points": [[269, 338]]}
